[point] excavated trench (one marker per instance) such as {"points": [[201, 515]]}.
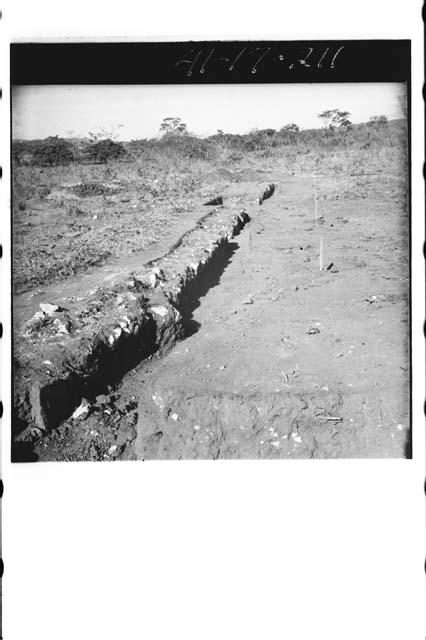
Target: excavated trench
{"points": [[61, 398], [198, 288], [54, 369], [279, 361], [284, 365]]}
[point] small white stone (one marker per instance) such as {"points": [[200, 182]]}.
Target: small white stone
{"points": [[174, 416], [46, 362], [400, 427], [48, 308], [160, 311], [297, 439], [196, 427], [81, 410], [60, 326], [39, 315]]}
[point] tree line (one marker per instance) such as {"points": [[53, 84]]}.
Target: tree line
{"points": [[102, 146]]}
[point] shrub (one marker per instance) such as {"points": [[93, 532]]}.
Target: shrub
{"points": [[186, 146], [377, 122], [290, 128], [104, 151], [20, 152], [334, 118], [53, 151]]}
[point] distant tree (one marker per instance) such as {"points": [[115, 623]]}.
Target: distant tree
{"points": [[290, 128], [378, 121], [335, 119], [288, 133], [105, 133], [174, 127], [53, 151], [19, 149], [104, 151], [260, 140]]}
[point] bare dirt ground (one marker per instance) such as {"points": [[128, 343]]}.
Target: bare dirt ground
{"points": [[280, 359], [68, 220]]}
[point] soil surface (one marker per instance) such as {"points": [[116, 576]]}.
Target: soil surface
{"points": [[25, 304], [68, 220], [280, 359]]}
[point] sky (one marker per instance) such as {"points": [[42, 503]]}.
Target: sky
{"points": [[71, 111]]}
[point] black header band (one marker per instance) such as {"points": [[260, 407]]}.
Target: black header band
{"points": [[211, 62]]}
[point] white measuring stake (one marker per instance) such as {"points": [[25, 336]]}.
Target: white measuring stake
{"points": [[320, 255], [316, 198]]}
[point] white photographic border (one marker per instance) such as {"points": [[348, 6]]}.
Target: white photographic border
{"points": [[226, 549]]}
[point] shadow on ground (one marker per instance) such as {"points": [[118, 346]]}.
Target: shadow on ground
{"points": [[211, 278]]}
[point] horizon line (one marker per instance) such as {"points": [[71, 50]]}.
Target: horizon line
{"points": [[196, 135]]}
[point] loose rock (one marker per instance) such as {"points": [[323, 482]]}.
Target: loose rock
{"points": [[81, 410], [48, 309]]}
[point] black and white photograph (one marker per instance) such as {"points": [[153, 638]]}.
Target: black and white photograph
{"points": [[211, 336], [206, 271]]}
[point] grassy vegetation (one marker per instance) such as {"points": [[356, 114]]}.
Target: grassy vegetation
{"points": [[78, 203]]}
